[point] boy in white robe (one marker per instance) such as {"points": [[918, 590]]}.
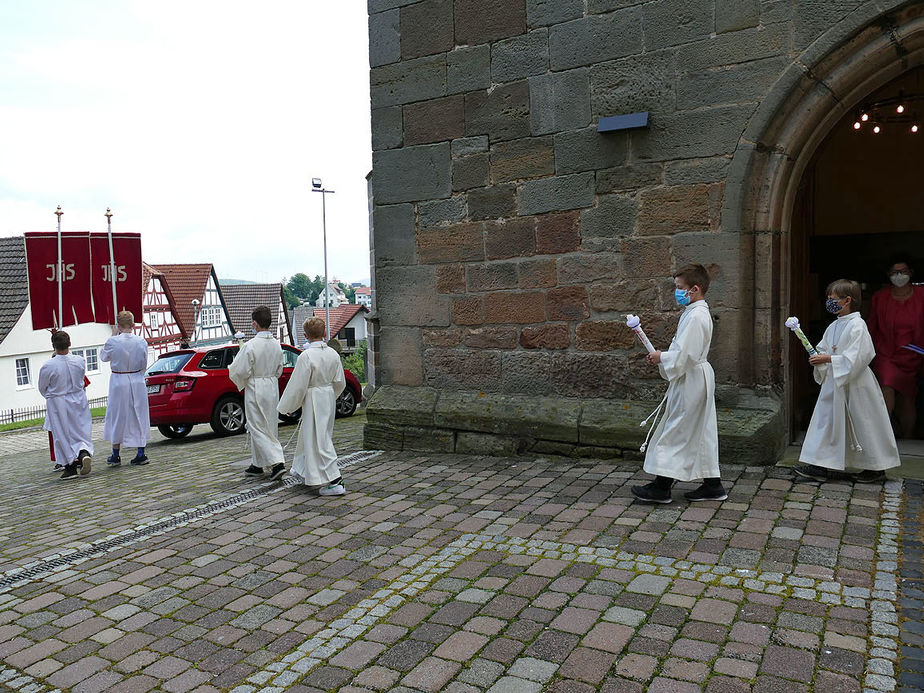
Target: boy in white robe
{"points": [[850, 427], [256, 370], [128, 421], [684, 444], [315, 385], [61, 382]]}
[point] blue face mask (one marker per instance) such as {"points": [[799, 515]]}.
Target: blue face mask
{"points": [[833, 306], [682, 297]]}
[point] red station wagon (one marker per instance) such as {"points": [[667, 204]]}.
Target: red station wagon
{"points": [[191, 386]]}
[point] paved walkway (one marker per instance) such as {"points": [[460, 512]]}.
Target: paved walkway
{"points": [[450, 573]]}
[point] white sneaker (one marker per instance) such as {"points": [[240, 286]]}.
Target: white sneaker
{"points": [[332, 490]]}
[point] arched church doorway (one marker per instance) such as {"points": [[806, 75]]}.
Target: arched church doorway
{"points": [[859, 208]]}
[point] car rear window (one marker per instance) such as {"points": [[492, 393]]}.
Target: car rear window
{"points": [[170, 363]]}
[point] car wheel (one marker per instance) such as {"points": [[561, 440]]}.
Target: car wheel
{"points": [[346, 403], [291, 418], [228, 416], [175, 430]]}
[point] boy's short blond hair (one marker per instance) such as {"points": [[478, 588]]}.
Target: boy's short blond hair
{"points": [[126, 318], [844, 288], [314, 328]]}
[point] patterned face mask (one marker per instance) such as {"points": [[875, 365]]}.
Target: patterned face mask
{"points": [[682, 297], [833, 306], [899, 279]]}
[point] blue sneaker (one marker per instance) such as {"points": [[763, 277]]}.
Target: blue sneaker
{"points": [[114, 460]]}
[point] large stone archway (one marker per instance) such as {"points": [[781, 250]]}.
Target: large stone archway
{"points": [[857, 56]]}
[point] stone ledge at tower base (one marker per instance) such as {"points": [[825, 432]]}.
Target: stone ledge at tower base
{"points": [[424, 419]]}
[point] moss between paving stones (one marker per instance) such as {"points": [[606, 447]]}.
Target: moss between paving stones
{"points": [[425, 419]]}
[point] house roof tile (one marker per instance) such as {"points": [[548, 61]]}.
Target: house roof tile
{"points": [[185, 282], [14, 285], [241, 299]]}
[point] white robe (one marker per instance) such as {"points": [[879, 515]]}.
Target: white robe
{"points": [[67, 411], [256, 370], [128, 421], [315, 385], [685, 442], [850, 408]]}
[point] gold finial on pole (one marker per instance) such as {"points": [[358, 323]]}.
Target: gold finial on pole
{"points": [[108, 215], [58, 212]]}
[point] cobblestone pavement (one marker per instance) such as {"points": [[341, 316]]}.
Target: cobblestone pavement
{"points": [[451, 573]]}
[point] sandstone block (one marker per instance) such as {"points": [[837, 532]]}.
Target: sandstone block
{"points": [[486, 444], [526, 373], [556, 194], [674, 209], [490, 277], [627, 295], [408, 81], [468, 68], [435, 120], [407, 297], [445, 337], [567, 303], [516, 415], [384, 38], [395, 243], [588, 150], [470, 172], [382, 5], [402, 358], [466, 369], [531, 157], [510, 238], [469, 145], [646, 257], [521, 56], [695, 171], [629, 177], [634, 83], [468, 310], [387, 128], [613, 423], [601, 6], [426, 28], [772, 39], [382, 437], [603, 336], [746, 82], [537, 274], [493, 202], [440, 211], [584, 374], [545, 337], [402, 406], [547, 12], [520, 308], [720, 254], [613, 218], [559, 101], [589, 267], [482, 21], [450, 279], [672, 22], [732, 15], [595, 38], [691, 134], [427, 439], [411, 174], [455, 243], [558, 233], [502, 114], [498, 337]]}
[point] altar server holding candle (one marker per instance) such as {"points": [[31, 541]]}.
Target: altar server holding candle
{"points": [[684, 442], [850, 428]]}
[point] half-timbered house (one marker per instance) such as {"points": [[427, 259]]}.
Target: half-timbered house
{"points": [[241, 299], [159, 325], [199, 305]]}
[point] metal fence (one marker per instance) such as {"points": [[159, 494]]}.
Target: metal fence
{"points": [[29, 413]]}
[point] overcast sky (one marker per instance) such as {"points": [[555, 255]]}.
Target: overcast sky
{"points": [[201, 123]]}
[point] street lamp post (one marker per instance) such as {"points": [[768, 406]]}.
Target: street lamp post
{"points": [[195, 305], [318, 187]]}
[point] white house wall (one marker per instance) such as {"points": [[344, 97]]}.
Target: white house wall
{"points": [[218, 333], [24, 342]]}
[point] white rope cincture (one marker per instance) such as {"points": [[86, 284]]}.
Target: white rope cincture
{"points": [[654, 423]]}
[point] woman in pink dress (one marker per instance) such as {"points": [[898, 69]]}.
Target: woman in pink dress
{"points": [[896, 319]]}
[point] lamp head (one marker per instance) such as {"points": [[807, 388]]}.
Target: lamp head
{"points": [[316, 183], [195, 302]]}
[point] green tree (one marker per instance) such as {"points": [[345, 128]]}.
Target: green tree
{"points": [[349, 291], [356, 362], [291, 298], [300, 285]]}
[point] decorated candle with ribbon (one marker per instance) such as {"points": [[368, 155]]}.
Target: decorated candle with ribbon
{"points": [[635, 324], [793, 324]]}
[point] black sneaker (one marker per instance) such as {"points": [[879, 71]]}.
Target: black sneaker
{"points": [[140, 460], [277, 471], [84, 458], [253, 470], [868, 476], [650, 493], [114, 460], [70, 472], [811, 471], [707, 492]]}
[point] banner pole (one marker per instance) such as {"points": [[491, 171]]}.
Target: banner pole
{"points": [[60, 316], [115, 307]]}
